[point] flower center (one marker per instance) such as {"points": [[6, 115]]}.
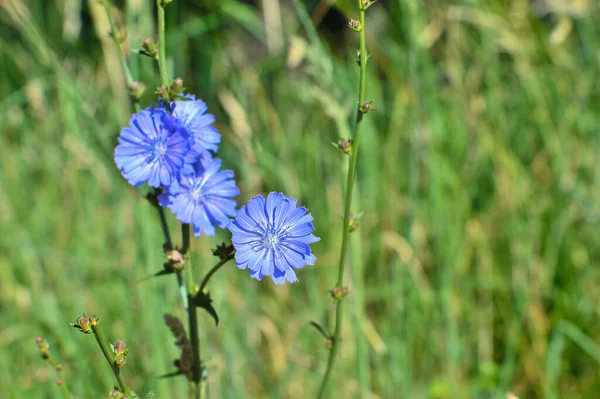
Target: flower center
{"points": [[270, 239], [196, 193], [160, 149]]}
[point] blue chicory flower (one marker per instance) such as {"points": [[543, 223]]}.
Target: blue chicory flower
{"points": [[191, 115], [272, 237], [204, 199], [153, 149]]}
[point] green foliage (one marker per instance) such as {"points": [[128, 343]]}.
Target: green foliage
{"points": [[474, 271]]}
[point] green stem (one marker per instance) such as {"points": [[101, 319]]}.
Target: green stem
{"points": [[213, 271], [191, 311], [109, 359], [121, 55], [163, 221], [113, 34], [185, 238], [162, 59], [348, 201], [61, 375]]}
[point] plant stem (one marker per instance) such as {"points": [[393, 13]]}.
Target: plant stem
{"points": [[113, 34], [191, 310], [185, 238], [61, 376], [109, 359], [121, 55], [213, 271], [348, 201], [162, 59], [163, 222]]}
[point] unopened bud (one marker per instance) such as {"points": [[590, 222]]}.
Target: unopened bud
{"points": [[223, 251], [136, 89], [163, 93], [355, 25], [354, 221], [149, 48], [83, 324], [119, 347], [338, 293], [343, 145], [367, 107], [176, 87], [367, 3], [176, 260], [59, 382]]}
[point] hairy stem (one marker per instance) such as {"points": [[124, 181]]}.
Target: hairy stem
{"points": [[348, 201], [109, 359]]}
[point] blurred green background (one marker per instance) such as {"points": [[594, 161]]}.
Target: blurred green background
{"points": [[474, 273]]}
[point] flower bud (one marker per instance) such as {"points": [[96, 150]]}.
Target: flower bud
{"points": [[163, 93], [367, 107], [367, 3], [176, 88], [223, 251], [149, 48], [83, 324], [176, 260], [343, 145], [119, 347], [338, 293], [136, 89], [354, 221], [355, 25]]}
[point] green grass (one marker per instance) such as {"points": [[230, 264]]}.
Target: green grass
{"points": [[474, 272]]}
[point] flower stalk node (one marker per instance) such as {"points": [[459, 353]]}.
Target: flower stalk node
{"points": [[366, 4], [344, 145], [223, 251], [355, 25], [367, 107], [339, 293], [354, 221], [83, 324], [136, 90], [149, 48]]}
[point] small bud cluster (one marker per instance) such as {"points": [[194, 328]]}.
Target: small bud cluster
{"points": [[355, 25], [344, 145], [366, 4], [136, 89], [85, 324], [172, 92], [149, 48], [367, 107], [354, 221], [119, 353], [176, 261], [224, 251], [116, 393], [339, 293], [119, 35]]}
